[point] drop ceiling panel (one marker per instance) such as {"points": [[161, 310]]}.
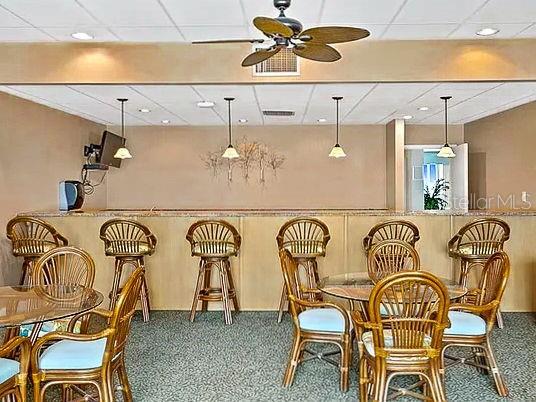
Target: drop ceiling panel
{"points": [[193, 115], [410, 32], [205, 12], [530, 32], [148, 34], [362, 11], [169, 94], [128, 13], [9, 20], [64, 34], [437, 11], [51, 13], [108, 94], [506, 11], [468, 31], [23, 35], [215, 32], [306, 11]]}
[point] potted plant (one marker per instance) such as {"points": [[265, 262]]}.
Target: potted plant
{"points": [[436, 197]]}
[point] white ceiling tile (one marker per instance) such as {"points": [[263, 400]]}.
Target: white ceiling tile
{"points": [[305, 11], [437, 11], [9, 20], [468, 31], [193, 114], [128, 13], [59, 94], [205, 12], [110, 93], [284, 97], [360, 11], [215, 32], [99, 34], [168, 93], [148, 34], [23, 35], [506, 11], [530, 32], [429, 31], [51, 13]]}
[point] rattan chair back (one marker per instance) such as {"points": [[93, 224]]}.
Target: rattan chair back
{"points": [[391, 230], [124, 237], [213, 238], [390, 256], [304, 237], [413, 308], [32, 237], [482, 237]]}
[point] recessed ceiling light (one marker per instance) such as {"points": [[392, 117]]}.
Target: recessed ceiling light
{"points": [[81, 36], [322, 120], [407, 117], [242, 121], [205, 104], [487, 31], [166, 121], [144, 110], [424, 108]]}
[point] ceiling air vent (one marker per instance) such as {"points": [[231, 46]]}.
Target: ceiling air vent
{"points": [[278, 113], [283, 63]]}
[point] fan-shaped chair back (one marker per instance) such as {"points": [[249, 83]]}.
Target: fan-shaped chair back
{"points": [[213, 238], [123, 237], [392, 230], [493, 283], [482, 237], [32, 237], [390, 256], [304, 237], [409, 308]]}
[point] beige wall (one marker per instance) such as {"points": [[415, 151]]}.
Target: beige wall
{"points": [[433, 134], [39, 148], [167, 171], [501, 150]]}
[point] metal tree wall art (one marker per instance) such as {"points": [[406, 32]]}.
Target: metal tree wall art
{"points": [[256, 158]]}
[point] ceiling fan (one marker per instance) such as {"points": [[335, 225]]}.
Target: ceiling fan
{"points": [[288, 33]]}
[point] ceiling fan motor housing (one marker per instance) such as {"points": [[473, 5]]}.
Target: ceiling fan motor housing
{"points": [[281, 4]]}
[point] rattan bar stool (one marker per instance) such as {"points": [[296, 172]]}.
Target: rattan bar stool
{"points": [[391, 230], [306, 239], [129, 242], [30, 239], [214, 241], [475, 243]]}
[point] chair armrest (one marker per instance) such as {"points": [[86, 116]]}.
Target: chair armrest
{"points": [[24, 346], [87, 316], [62, 239], [309, 290], [452, 242], [322, 304], [473, 308], [60, 336]]}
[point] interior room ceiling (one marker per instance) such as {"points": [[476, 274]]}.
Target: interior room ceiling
{"points": [[362, 103], [184, 21]]}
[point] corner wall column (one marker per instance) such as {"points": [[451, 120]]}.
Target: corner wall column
{"points": [[395, 181]]}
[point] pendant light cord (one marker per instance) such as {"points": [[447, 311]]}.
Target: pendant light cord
{"points": [[123, 119], [338, 121], [446, 122], [229, 119]]}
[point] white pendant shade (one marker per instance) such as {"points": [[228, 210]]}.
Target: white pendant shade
{"points": [[230, 153], [337, 152], [123, 153], [446, 152]]}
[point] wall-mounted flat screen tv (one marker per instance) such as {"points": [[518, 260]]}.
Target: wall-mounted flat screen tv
{"points": [[110, 143]]}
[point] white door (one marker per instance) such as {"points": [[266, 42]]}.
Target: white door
{"points": [[459, 178]]}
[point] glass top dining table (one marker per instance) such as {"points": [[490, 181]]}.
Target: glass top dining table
{"points": [[357, 286], [20, 305]]}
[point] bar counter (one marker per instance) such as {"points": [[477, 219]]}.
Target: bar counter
{"points": [[172, 271]]}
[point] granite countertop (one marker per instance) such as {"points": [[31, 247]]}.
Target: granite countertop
{"points": [[269, 212]]}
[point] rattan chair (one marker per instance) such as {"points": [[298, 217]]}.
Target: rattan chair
{"points": [[306, 239], [76, 359], [471, 324], [14, 372], [391, 230], [129, 242], [214, 241], [314, 322], [408, 314], [390, 256], [475, 243], [30, 239]]}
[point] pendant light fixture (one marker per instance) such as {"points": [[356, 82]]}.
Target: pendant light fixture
{"points": [[446, 151], [337, 151], [230, 152], [123, 152]]}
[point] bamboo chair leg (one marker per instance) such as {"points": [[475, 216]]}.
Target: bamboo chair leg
{"points": [[144, 297], [380, 386], [293, 362], [195, 302], [232, 289], [206, 282], [502, 389], [123, 380], [225, 293], [37, 393], [24, 272], [464, 272], [116, 282], [364, 380], [107, 388], [345, 365], [438, 386], [283, 304], [500, 322]]}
